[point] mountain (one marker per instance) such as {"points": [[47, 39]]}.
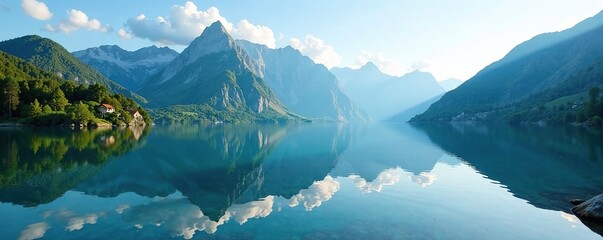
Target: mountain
{"points": [[216, 73], [14, 67], [127, 68], [450, 84], [385, 97], [531, 68], [51, 56], [306, 88]]}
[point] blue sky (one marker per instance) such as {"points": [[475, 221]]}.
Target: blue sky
{"points": [[448, 38]]}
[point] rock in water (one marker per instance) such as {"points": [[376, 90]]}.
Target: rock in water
{"points": [[591, 209], [590, 213]]}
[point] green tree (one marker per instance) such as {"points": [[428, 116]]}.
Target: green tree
{"points": [[35, 109], [69, 89], [46, 109], [97, 92], [79, 113], [111, 117], [125, 116], [10, 88], [145, 115], [593, 93], [58, 100], [568, 117]]}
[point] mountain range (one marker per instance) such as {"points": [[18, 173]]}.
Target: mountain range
{"points": [[218, 78], [526, 73], [215, 72], [127, 68], [51, 56], [305, 87], [389, 98]]}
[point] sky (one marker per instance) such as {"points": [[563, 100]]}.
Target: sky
{"points": [[450, 39]]}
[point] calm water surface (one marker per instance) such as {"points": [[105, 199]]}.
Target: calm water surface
{"points": [[308, 181]]}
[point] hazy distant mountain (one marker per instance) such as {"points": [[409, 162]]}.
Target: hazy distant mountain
{"points": [[215, 72], [355, 79], [51, 56], [531, 68], [450, 84], [127, 68], [384, 96], [306, 88]]}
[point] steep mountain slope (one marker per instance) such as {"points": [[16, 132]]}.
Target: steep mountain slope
{"points": [[14, 67], [571, 101], [384, 96], [127, 68], [51, 56], [305, 87], [532, 67], [215, 72]]}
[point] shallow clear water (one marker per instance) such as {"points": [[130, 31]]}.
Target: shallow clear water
{"points": [[308, 181]]}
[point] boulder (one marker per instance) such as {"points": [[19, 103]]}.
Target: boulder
{"points": [[591, 209], [590, 212]]}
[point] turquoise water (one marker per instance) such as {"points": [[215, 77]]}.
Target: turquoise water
{"points": [[307, 181]]}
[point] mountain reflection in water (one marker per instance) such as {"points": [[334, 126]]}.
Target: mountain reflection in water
{"points": [[208, 181]]}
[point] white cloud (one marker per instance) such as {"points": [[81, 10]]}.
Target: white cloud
{"points": [[37, 10], [317, 50], [78, 223], [34, 231], [76, 21], [421, 65], [121, 208], [254, 209], [181, 218], [254, 33], [318, 192], [424, 179], [387, 177], [185, 23], [123, 34], [386, 65]]}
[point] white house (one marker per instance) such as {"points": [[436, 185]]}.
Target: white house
{"points": [[106, 108]]}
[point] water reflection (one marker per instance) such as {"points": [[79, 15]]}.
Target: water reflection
{"points": [[191, 180], [178, 216], [39, 165], [215, 167], [547, 166]]}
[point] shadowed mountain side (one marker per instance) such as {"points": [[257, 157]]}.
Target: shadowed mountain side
{"points": [[553, 164], [382, 146]]}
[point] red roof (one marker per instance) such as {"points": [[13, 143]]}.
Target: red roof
{"points": [[107, 106]]}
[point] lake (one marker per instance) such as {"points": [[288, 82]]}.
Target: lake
{"points": [[299, 181]]}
